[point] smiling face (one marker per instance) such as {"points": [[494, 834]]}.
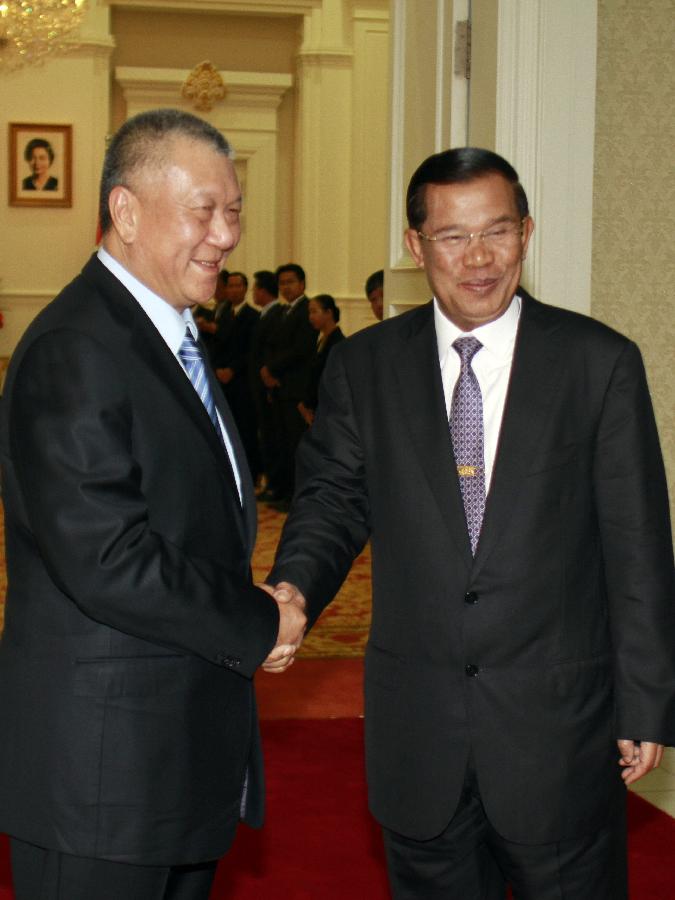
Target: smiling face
{"points": [[178, 221], [475, 282]]}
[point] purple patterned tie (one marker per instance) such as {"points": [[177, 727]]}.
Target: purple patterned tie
{"points": [[466, 431]]}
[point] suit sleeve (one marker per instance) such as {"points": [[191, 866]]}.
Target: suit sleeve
{"points": [[71, 433], [328, 524], [634, 522]]}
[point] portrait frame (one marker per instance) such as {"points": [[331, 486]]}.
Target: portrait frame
{"points": [[57, 191]]}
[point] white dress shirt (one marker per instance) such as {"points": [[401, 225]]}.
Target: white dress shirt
{"points": [[171, 325], [491, 365]]}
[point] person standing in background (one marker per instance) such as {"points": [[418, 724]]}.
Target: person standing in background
{"points": [[324, 316], [263, 343], [231, 355], [375, 293], [287, 370]]}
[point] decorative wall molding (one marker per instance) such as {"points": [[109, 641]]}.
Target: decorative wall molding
{"points": [[326, 57], [27, 298], [245, 7], [260, 91]]}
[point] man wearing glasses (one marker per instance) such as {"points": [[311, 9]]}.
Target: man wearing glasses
{"points": [[502, 457]]}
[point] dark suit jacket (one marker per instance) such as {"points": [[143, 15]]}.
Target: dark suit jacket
{"points": [[291, 359], [233, 339], [132, 626], [319, 361], [263, 339], [567, 610]]}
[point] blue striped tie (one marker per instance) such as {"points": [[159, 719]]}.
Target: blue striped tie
{"points": [[191, 357]]}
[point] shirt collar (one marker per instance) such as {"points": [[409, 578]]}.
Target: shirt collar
{"points": [[170, 323], [265, 309], [497, 337]]}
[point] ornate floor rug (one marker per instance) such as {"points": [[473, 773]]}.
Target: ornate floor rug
{"points": [[342, 630]]}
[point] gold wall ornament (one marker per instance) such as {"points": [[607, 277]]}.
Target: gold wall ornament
{"points": [[33, 29], [204, 86]]}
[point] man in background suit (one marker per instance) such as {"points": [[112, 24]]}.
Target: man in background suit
{"points": [[263, 343], [374, 290], [502, 457], [286, 373], [231, 352], [130, 745]]}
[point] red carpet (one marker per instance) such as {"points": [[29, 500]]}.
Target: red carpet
{"points": [[320, 843]]}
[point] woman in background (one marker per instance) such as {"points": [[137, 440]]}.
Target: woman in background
{"points": [[324, 315], [39, 155]]}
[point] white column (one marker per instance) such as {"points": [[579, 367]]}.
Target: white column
{"points": [[545, 128]]}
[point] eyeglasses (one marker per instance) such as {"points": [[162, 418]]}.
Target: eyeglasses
{"points": [[498, 237]]}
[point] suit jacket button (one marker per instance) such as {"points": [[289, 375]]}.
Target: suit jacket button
{"points": [[471, 597], [471, 670]]}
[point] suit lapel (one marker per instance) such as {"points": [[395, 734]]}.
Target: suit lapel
{"points": [[536, 369], [422, 409], [147, 344]]}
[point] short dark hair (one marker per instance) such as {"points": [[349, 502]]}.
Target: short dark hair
{"points": [[459, 165], [327, 304], [238, 275], [143, 139], [374, 281], [292, 267], [267, 281], [38, 142], [223, 275]]}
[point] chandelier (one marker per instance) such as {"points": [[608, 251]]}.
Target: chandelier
{"points": [[33, 29]]}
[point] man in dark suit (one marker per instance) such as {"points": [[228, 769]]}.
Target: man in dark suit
{"points": [[286, 373], [374, 290], [130, 745], [263, 344], [502, 457], [231, 351]]}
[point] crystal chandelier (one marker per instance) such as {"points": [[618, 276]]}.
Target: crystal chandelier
{"points": [[33, 29]]}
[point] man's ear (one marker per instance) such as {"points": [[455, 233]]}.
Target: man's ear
{"points": [[414, 244], [124, 212], [528, 228]]}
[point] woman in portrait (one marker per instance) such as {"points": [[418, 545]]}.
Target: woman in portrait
{"points": [[324, 315], [39, 156]]}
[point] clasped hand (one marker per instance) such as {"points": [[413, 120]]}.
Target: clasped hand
{"points": [[292, 624]]}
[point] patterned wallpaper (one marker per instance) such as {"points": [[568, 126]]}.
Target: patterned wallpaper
{"points": [[633, 279]]}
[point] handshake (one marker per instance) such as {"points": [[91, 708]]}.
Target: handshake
{"points": [[292, 624]]}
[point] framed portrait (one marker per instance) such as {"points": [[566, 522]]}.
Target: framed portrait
{"points": [[40, 165]]}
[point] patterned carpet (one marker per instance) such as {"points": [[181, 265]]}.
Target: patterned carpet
{"points": [[341, 631]]}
